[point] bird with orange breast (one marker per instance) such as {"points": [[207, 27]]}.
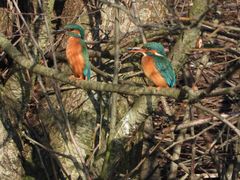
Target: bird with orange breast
{"points": [[155, 64], [76, 52]]}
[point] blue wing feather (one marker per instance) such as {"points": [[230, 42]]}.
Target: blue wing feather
{"points": [[164, 66], [86, 70]]}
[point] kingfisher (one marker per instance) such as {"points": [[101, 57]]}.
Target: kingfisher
{"points": [[156, 65], [76, 52]]}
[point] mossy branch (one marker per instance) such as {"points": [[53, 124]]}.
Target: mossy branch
{"points": [[23, 61], [127, 89]]}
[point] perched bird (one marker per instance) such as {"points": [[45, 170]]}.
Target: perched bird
{"points": [[76, 52], [155, 64]]}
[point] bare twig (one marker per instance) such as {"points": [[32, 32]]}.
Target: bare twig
{"points": [[235, 129]]}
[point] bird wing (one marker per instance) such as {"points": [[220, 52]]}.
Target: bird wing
{"points": [[164, 66], [86, 70]]}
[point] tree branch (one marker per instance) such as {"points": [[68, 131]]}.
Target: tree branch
{"points": [[234, 128], [101, 86], [86, 85]]}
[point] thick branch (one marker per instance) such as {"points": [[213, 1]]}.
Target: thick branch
{"points": [[86, 85], [100, 86]]}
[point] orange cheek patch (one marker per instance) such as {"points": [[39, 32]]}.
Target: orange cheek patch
{"points": [[153, 51], [75, 31]]}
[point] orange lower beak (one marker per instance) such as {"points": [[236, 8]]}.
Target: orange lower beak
{"points": [[136, 50]]}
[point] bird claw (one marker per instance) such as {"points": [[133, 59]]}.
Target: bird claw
{"points": [[72, 77]]}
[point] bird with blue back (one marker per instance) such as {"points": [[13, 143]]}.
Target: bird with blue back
{"points": [[156, 65], [77, 52]]}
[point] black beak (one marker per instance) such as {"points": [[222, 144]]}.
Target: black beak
{"points": [[133, 48], [59, 31], [136, 50]]}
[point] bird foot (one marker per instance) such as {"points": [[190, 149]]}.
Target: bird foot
{"points": [[72, 77], [160, 87]]}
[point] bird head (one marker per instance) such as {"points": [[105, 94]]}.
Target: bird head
{"points": [[150, 49], [75, 30]]}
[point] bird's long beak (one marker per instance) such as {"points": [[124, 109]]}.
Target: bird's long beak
{"points": [[59, 31], [137, 50]]}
